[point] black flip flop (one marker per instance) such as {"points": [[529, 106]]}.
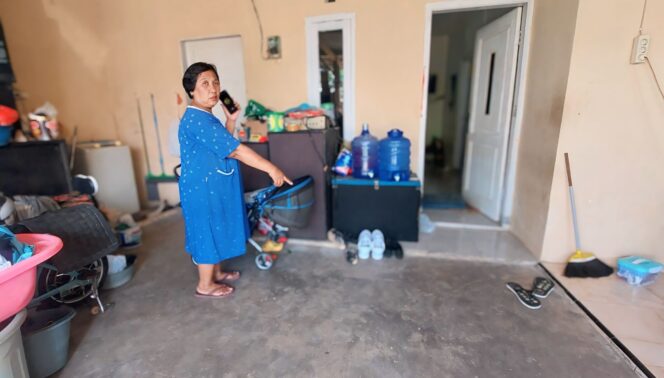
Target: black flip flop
{"points": [[394, 248], [524, 296], [542, 287], [351, 255]]}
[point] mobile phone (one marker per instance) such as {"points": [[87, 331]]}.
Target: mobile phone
{"points": [[227, 101]]}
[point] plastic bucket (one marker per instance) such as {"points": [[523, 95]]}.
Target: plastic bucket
{"points": [[46, 340], [12, 356], [5, 135], [118, 279]]}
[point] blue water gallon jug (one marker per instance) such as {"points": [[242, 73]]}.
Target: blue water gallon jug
{"points": [[365, 154], [394, 157]]}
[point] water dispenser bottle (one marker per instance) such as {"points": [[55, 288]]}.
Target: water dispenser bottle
{"points": [[394, 157], [365, 154]]}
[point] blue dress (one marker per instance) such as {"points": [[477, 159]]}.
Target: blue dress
{"points": [[211, 191]]}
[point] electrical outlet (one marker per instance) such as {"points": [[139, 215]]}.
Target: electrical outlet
{"points": [[640, 48], [274, 47]]}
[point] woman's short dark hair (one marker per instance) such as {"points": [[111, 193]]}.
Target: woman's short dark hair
{"points": [[191, 75]]}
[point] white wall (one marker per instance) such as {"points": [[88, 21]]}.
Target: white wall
{"points": [[437, 100]]}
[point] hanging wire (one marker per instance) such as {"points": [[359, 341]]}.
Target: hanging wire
{"points": [[654, 75], [643, 16], [260, 27]]}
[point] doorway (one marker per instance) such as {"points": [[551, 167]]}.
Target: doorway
{"points": [[331, 68], [227, 55], [473, 72]]}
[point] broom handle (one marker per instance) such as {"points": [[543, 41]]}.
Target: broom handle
{"points": [[572, 203], [156, 127], [145, 145]]}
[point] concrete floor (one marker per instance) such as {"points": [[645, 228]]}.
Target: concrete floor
{"points": [[314, 314]]}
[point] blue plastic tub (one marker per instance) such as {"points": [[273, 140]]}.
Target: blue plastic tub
{"points": [[638, 271]]}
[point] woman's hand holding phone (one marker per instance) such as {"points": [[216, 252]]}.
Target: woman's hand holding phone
{"points": [[230, 107]]}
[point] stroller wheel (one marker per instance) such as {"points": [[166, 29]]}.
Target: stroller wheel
{"points": [[80, 282], [264, 261]]}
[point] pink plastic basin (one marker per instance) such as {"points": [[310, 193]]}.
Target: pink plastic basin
{"points": [[17, 283]]}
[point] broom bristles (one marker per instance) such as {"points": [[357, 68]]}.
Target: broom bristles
{"points": [[588, 266]]}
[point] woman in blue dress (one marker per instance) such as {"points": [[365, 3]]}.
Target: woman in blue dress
{"points": [[210, 185]]}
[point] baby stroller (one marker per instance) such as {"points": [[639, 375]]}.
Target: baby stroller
{"points": [[276, 210]]}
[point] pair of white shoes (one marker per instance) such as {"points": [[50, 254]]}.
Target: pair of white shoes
{"points": [[371, 244]]}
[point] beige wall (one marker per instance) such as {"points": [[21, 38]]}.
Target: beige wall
{"points": [[92, 58], [550, 49], [613, 128]]}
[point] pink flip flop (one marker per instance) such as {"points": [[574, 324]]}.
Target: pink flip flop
{"points": [[213, 295], [229, 273]]}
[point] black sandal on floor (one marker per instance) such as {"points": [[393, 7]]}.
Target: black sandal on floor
{"points": [[524, 296], [542, 287]]}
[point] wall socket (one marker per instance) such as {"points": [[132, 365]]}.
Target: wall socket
{"points": [[274, 47], [640, 48]]}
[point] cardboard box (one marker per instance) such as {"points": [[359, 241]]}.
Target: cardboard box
{"points": [[257, 126]]}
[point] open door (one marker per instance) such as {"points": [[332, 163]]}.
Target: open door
{"points": [[227, 55], [492, 93]]}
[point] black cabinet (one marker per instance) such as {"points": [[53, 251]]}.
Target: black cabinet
{"points": [[253, 179], [35, 168], [392, 207], [313, 153]]}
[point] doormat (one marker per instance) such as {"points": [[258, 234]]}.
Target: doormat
{"points": [[443, 201]]}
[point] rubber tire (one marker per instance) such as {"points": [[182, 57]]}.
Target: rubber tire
{"points": [[264, 261], [41, 282]]}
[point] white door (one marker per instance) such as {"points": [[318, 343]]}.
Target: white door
{"points": [[492, 92], [227, 55]]}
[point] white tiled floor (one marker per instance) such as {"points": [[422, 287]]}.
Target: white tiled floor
{"points": [[635, 315], [480, 245]]}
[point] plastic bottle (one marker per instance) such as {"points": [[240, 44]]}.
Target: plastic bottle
{"points": [[394, 157], [365, 154]]}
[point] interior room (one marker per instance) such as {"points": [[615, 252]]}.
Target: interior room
{"points": [[331, 188], [453, 44]]}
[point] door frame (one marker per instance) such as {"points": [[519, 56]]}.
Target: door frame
{"points": [[346, 23], [516, 123]]}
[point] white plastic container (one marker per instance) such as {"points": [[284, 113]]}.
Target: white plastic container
{"points": [[12, 355]]}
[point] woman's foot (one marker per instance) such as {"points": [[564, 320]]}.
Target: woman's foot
{"points": [[214, 291], [230, 276]]}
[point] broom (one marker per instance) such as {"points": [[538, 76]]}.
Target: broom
{"points": [[581, 263]]}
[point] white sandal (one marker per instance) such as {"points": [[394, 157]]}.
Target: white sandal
{"points": [[377, 245], [364, 245]]}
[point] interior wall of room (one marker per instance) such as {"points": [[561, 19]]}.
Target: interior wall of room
{"points": [[551, 40], [613, 129], [436, 99]]}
